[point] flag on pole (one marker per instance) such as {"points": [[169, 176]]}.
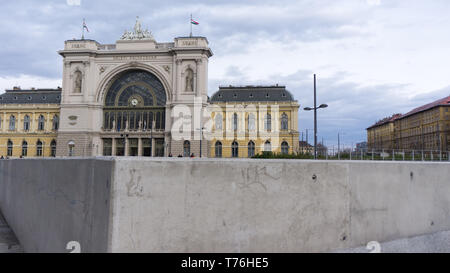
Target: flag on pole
{"points": [[194, 22], [85, 26]]}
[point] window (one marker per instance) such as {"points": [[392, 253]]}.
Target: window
{"points": [[218, 149], [235, 122], [107, 146], [53, 148], [251, 122], [39, 148], [267, 146], [55, 126], [284, 122], [284, 148], [10, 148], [26, 123], [268, 122], [186, 149], [235, 149], [24, 148], [71, 148], [218, 122], [251, 149], [41, 123], [0, 122], [12, 123]]}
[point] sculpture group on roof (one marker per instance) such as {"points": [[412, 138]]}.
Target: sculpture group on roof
{"points": [[138, 33]]}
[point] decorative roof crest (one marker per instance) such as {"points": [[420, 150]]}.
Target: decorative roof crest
{"points": [[138, 33]]}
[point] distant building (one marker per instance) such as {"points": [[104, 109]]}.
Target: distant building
{"points": [[362, 146], [29, 121], [424, 128]]}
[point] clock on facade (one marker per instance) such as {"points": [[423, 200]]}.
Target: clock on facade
{"points": [[134, 102]]}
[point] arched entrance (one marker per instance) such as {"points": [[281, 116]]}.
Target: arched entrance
{"points": [[134, 115]]}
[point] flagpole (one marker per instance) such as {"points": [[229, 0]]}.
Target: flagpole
{"points": [[190, 23], [82, 36]]}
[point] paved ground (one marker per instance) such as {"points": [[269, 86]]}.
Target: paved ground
{"points": [[432, 243], [8, 241]]}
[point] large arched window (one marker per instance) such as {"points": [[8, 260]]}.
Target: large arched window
{"points": [[284, 122], [251, 149], [26, 123], [12, 123], [268, 122], [24, 148], [39, 148], [10, 148], [284, 148], [267, 146], [41, 123], [186, 148], [235, 149], [235, 122], [218, 149], [218, 122], [251, 122], [55, 126], [53, 148]]}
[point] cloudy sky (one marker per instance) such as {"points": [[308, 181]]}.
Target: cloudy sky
{"points": [[372, 58]]}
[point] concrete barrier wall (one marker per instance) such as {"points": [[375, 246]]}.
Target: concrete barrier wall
{"points": [[220, 205], [49, 202], [274, 205]]}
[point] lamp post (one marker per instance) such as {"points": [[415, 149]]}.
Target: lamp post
{"points": [[201, 136], [315, 116]]}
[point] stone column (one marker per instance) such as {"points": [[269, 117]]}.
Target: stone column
{"points": [[113, 147], [139, 146], [153, 147], [126, 146]]}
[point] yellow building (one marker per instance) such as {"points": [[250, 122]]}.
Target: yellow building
{"points": [[252, 119], [29, 120], [424, 128]]}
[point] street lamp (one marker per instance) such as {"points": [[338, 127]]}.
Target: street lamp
{"points": [[201, 136], [315, 116]]}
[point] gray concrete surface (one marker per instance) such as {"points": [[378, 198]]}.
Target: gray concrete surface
{"points": [[8, 240], [438, 242], [220, 205], [50, 202]]}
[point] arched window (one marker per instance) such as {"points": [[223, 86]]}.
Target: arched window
{"points": [[268, 122], [12, 123], [218, 121], [235, 149], [26, 123], [53, 147], [72, 148], [39, 148], [251, 122], [41, 123], [235, 122], [186, 149], [267, 146], [55, 126], [284, 122], [10, 148], [284, 148], [251, 149], [24, 148], [218, 149]]}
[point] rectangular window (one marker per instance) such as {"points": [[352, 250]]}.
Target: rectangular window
{"points": [[107, 146]]}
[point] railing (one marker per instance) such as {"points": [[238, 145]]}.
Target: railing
{"points": [[379, 154]]}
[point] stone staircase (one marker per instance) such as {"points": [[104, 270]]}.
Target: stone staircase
{"points": [[8, 241]]}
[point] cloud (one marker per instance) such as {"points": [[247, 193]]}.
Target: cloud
{"points": [[73, 2]]}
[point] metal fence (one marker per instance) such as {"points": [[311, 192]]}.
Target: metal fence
{"points": [[381, 154]]}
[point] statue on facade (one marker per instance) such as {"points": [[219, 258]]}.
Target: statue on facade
{"points": [[138, 33], [189, 80], [78, 82]]}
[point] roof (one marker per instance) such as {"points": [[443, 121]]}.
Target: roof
{"points": [[252, 93], [386, 120], [32, 96], [441, 102]]}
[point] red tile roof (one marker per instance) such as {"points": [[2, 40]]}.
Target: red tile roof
{"points": [[441, 102], [386, 120]]}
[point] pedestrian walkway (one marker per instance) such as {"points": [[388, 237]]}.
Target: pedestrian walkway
{"points": [[8, 241]]}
